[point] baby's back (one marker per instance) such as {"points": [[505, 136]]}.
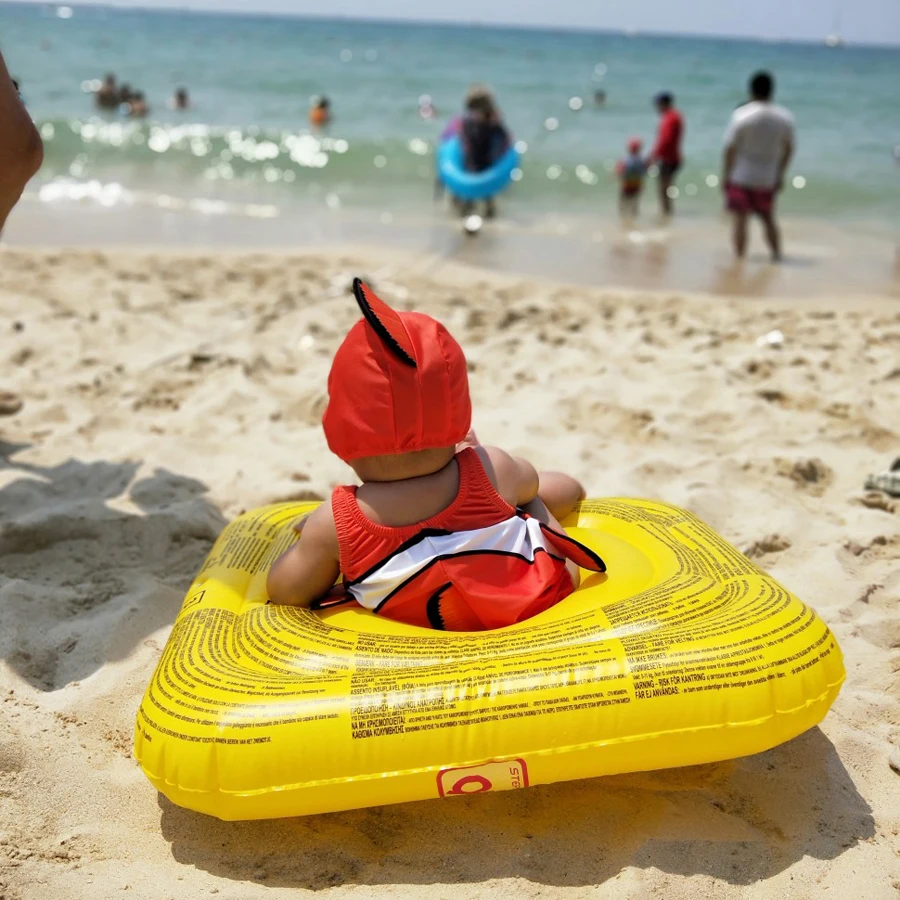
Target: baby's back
{"points": [[446, 550], [410, 501]]}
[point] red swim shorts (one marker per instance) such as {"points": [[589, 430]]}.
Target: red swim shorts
{"points": [[746, 200]]}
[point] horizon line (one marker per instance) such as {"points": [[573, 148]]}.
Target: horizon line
{"points": [[167, 7]]}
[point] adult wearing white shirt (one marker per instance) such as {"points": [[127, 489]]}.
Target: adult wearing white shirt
{"points": [[759, 144]]}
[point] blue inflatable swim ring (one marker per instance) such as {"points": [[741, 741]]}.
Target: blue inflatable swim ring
{"points": [[473, 185]]}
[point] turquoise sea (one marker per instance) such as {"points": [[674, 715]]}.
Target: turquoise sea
{"points": [[245, 140]]}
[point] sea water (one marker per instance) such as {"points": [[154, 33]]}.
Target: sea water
{"points": [[245, 143]]}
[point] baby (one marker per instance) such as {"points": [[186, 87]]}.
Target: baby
{"points": [[442, 532]]}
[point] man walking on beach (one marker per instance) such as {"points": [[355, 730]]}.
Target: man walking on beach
{"points": [[21, 154], [759, 144], [667, 152]]}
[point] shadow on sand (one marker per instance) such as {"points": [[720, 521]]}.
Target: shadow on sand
{"points": [[84, 576], [737, 821]]}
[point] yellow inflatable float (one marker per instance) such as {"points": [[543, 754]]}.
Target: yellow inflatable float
{"points": [[683, 653]]}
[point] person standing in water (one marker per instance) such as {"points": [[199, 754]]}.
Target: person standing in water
{"points": [[666, 154], [484, 137], [759, 144]]}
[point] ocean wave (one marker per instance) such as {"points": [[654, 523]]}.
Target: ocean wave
{"points": [[64, 191], [198, 158], [201, 149], [113, 161]]}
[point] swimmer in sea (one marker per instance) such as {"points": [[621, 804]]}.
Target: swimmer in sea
{"points": [[320, 113], [107, 95], [125, 96], [426, 107], [180, 99], [137, 106]]}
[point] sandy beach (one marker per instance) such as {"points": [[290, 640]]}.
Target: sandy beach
{"points": [[165, 393]]}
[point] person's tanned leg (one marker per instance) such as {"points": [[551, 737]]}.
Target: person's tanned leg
{"points": [[665, 202], [739, 234], [626, 207], [773, 235]]}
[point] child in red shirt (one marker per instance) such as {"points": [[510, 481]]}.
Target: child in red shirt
{"points": [[442, 532]]}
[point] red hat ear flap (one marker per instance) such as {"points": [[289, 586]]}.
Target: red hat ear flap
{"points": [[387, 323]]}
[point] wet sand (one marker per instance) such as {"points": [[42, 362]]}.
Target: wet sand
{"points": [[167, 392], [684, 254]]}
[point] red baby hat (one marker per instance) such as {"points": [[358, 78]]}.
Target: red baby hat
{"points": [[398, 383]]}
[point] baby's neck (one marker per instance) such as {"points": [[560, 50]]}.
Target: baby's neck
{"points": [[403, 466], [409, 500]]}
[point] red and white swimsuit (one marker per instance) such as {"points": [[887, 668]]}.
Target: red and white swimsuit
{"points": [[478, 564]]}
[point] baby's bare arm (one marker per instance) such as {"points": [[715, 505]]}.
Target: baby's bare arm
{"points": [[560, 492], [307, 571], [519, 483], [547, 496]]}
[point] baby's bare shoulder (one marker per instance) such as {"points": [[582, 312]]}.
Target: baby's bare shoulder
{"points": [[504, 472]]}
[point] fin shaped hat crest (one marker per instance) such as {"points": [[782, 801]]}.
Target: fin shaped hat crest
{"points": [[398, 383]]}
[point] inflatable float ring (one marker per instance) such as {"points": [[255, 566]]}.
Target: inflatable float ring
{"points": [[683, 653], [473, 185]]}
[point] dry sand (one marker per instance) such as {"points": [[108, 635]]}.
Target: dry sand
{"points": [[165, 394]]}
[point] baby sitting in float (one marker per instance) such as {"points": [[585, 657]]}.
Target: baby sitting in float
{"points": [[442, 532]]}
